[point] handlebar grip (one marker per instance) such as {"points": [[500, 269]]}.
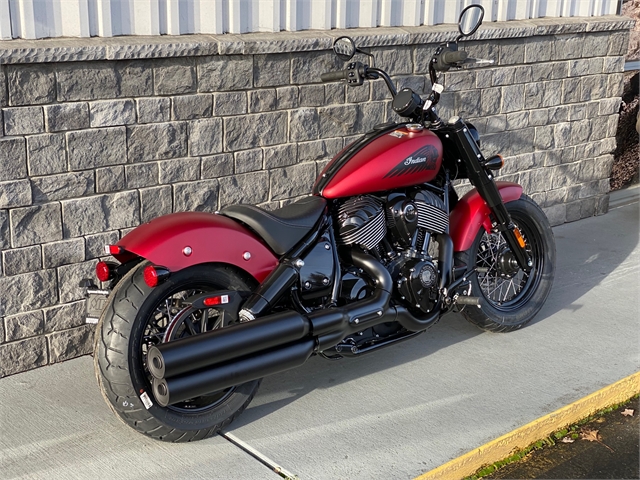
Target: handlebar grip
{"points": [[452, 58], [333, 76]]}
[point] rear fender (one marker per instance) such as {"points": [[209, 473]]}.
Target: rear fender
{"points": [[472, 213], [180, 240]]}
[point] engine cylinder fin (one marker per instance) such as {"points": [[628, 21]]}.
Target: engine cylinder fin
{"points": [[362, 222], [432, 218]]}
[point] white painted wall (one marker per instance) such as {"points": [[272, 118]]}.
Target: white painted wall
{"points": [[106, 18]]}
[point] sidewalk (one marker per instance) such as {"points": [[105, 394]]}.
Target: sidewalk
{"points": [[394, 414]]}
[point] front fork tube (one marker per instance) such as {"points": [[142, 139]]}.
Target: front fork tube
{"points": [[486, 187]]}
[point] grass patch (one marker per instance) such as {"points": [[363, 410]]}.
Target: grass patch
{"points": [[571, 431]]}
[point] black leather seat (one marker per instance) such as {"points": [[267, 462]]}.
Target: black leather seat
{"points": [[282, 229]]}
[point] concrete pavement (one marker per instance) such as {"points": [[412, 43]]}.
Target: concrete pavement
{"points": [[394, 414]]}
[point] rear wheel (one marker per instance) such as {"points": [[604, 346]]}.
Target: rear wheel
{"points": [[138, 317], [510, 296]]}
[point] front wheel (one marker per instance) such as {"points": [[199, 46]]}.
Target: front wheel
{"points": [[138, 317], [510, 296]]}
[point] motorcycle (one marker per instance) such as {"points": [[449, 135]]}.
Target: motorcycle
{"points": [[200, 306]]}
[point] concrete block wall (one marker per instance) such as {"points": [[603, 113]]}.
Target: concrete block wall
{"points": [[98, 136]]}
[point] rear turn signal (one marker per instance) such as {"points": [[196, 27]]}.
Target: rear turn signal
{"points": [[104, 271], [153, 275]]}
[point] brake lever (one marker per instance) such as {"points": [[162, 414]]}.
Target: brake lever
{"points": [[479, 61]]}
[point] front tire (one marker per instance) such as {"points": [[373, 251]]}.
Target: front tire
{"points": [[510, 296], [137, 317]]}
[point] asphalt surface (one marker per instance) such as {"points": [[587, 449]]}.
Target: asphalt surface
{"points": [[394, 414]]}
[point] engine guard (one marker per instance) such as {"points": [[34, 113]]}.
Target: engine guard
{"points": [[180, 240], [472, 213]]}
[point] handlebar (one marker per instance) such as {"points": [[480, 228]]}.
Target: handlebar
{"points": [[333, 76], [453, 58]]}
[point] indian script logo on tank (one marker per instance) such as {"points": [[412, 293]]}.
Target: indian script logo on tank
{"points": [[424, 159]]}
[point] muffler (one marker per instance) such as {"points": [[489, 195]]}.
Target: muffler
{"points": [[234, 372]]}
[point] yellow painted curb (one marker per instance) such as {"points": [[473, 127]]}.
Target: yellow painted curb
{"points": [[524, 436]]}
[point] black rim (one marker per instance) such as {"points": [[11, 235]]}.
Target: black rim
{"points": [[186, 324], [505, 286]]}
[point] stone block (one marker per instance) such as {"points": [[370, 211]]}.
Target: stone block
{"points": [[456, 81], [613, 65], [608, 145], [63, 317], [496, 123], [292, 181], [173, 76], [588, 207], [216, 166], [69, 277], [503, 76], [67, 116], [587, 150], [22, 260], [250, 131], [63, 253], [15, 193], [281, 155], [225, 72], [5, 241], [602, 204], [414, 82], [23, 120], [97, 147], [512, 98], [179, 170], [602, 167], [580, 131], [553, 197], [272, 70], [135, 78], [14, 158], [609, 106], [594, 87], [111, 113], [536, 180], [63, 186], [110, 179], [249, 188], [523, 74], [94, 244], [287, 97], [157, 141], [306, 68], [86, 81], [16, 357], [596, 44], [30, 85], [566, 47], [517, 120], [201, 196], [154, 110], [141, 175], [100, 213], [28, 291], [70, 343], [511, 52], [585, 66], [339, 120], [36, 224], [24, 325], [556, 214], [484, 77], [264, 100], [248, 160], [618, 43], [155, 202], [205, 136], [188, 107], [573, 211], [314, 95], [538, 49], [544, 139], [559, 114], [571, 90], [612, 125], [397, 59], [615, 85], [538, 117], [230, 103], [46, 154], [562, 134], [304, 124]]}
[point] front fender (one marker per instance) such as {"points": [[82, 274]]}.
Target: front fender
{"points": [[471, 213], [212, 238]]}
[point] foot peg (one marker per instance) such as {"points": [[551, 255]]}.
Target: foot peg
{"points": [[464, 300]]}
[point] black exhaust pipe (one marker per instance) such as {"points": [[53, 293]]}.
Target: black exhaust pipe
{"points": [[217, 346], [195, 384]]}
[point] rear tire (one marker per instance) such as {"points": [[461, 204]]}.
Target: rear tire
{"points": [[511, 297], [135, 318]]}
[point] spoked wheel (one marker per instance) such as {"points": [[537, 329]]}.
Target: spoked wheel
{"points": [[138, 317], [511, 296]]}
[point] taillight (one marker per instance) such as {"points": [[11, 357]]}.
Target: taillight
{"points": [[104, 271], [112, 249], [154, 275]]}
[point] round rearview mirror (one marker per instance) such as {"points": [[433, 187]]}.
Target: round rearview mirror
{"points": [[344, 48], [470, 20]]}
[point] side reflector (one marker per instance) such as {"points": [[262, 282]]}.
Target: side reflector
{"points": [[112, 249], [220, 300], [103, 272], [519, 237], [150, 276]]}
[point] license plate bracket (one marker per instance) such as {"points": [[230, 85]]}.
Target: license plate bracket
{"points": [[94, 306]]}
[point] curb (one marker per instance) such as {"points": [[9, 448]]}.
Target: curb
{"points": [[542, 427]]}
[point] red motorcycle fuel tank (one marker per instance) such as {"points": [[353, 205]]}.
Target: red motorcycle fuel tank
{"points": [[393, 156]]}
